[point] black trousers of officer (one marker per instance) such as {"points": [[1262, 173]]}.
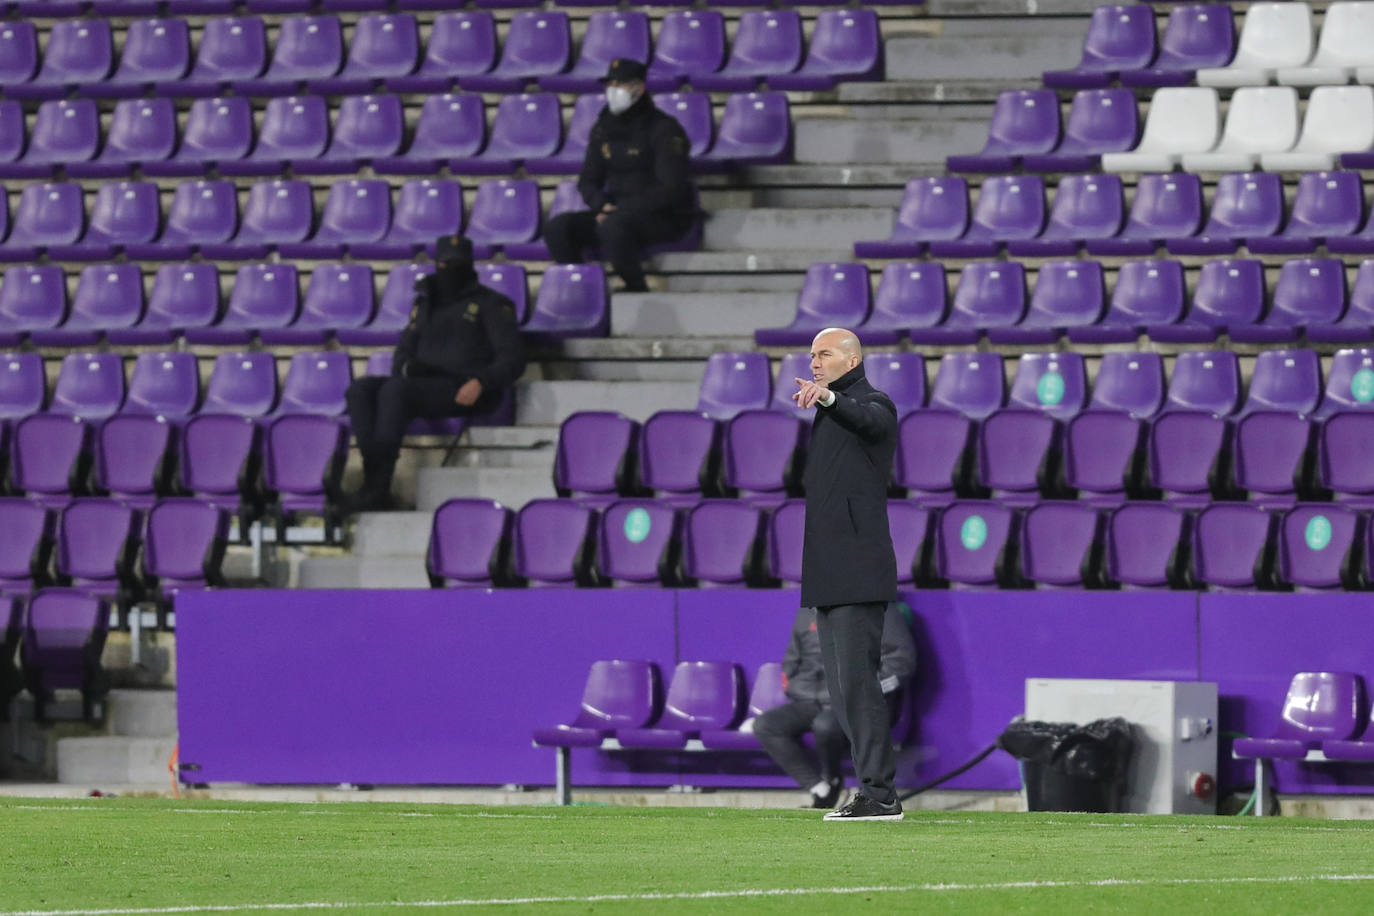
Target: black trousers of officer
{"points": [[381, 407], [780, 729], [621, 236], [851, 637]]}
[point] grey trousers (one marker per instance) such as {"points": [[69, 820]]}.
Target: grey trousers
{"points": [[851, 637]]}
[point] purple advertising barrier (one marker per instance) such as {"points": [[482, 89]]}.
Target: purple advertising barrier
{"points": [[976, 650], [1253, 644], [401, 687]]}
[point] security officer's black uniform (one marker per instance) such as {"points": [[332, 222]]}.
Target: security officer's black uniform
{"points": [[636, 161], [459, 331]]}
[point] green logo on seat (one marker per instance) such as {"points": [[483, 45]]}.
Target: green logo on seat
{"points": [[1362, 386], [1050, 389], [1318, 533], [637, 525], [973, 534]]}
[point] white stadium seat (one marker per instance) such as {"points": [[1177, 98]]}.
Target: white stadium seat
{"points": [[1347, 42], [1262, 119], [1181, 120], [1275, 36], [1340, 119]]}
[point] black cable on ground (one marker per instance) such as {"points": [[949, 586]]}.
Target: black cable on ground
{"points": [[926, 786]]}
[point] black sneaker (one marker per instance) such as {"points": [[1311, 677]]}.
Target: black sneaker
{"points": [[863, 808], [829, 799]]}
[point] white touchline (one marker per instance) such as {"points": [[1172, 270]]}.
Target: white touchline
{"points": [[686, 895]]}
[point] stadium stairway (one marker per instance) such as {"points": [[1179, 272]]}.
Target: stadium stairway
{"points": [[141, 735]]}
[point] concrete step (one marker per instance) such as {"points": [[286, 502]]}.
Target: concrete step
{"points": [[620, 370], [113, 759], [766, 229], [798, 198], [1022, 8], [550, 403], [389, 534], [142, 713], [696, 348], [502, 458], [511, 436], [811, 175], [1005, 55], [364, 572], [984, 91], [928, 111], [698, 314], [839, 140], [734, 283], [511, 487], [746, 261]]}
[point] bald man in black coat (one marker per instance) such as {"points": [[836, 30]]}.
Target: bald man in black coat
{"points": [[849, 572]]}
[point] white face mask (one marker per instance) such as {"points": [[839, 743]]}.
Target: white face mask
{"points": [[618, 99]]}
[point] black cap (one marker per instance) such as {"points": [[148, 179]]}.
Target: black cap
{"points": [[452, 247], [625, 70]]}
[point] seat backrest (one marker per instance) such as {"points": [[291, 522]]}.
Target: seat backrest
{"points": [[13, 132], [1275, 35], [1261, 119], [466, 541], [1129, 382], [504, 210], [461, 43], [303, 456], [526, 125], [427, 208], [214, 453], [367, 126], [383, 44], [1327, 203], [164, 385], [1338, 119], [316, 384], [124, 212], [911, 526], [975, 545], [155, 49], [308, 47], [704, 695], [1148, 292], [244, 384], [264, 295], [733, 382], [25, 538], [1309, 291], [398, 296], [339, 296], [611, 34], [596, 453], [1147, 545], [1286, 380], [18, 51], [792, 366], [184, 295], [1343, 450], [185, 540], [990, 294], [551, 542], [786, 532], [1119, 38], [1165, 206], [755, 120], [141, 130], [23, 385], [1322, 705], [973, 384], [834, 294], [1182, 119], [901, 376], [1087, 206], [1320, 547], [1101, 121], [1023, 121], [33, 297], [537, 42], [1055, 383], [1197, 35], [844, 40], [637, 542], [293, 126], [61, 627], [1010, 206], [762, 450], [767, 41], [1207, 380], [95, 539], [453, 124], [220, 128], [45, 454], [911, 294], [933, 208], [720, 541], [1233, 545], [78, 51], [107, 296], [202, 211], [768, 691], [689, 42], [620, 694], [1060, 544], [356, 210], [64, 130], [1068, 293], [678, 452], [511, 281], [231, 48], [1246, 204], [89, 386]]}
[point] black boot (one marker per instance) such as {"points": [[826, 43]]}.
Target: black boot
{"points": [[375, 494]]}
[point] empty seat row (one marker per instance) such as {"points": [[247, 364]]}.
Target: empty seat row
{"points": [[265, 304], [1309, 299], [1122, 44], [310, 53], [294, 134], [120, 8], [1263, 127], [1089, 213]]}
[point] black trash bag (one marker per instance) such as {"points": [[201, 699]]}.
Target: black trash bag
{"points": [[1072, 767]]}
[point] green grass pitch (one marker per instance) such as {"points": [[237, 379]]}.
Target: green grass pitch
{"points": [[115, 856]]}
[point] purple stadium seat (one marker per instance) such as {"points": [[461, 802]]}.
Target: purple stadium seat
{"points": [[1147, 546], [468, 544], [610, 34], [184, 548], [932, 209], [1188, 443], [693, 111], [734, 382], [1061, 544], [131, 458], [183, 296], [572, 302], [1067, 294], [618, 694], [1342, 457], [690, 43], [526, 126], [1197, 36], [307, 48], [755, 129], [49, 455], [1271, 455], [64, 635], [449, 127], [365, 127], [163, 384], [1024, 122], [975, 545], [1019, 445], [721, 541], [637, 543], [217, 130], [339, 296], [1105, 444], [124, 213], [911, 294], [263, 296], [792, 366], [1285, 380], [1147, 294], [511, 281], [79, 52], [768, 692], [13, 135], [1357, 324], [763, 454], [1233, 546], [1349, 383], [1131, 383], [32, 298], [1320, 708], [786, 530], [1100, 121], [218, 458], [679, 456], [26, 541], [504, 211], [569, 157], [538, 44], [1009, 207], [1309, 291], [385, 46], [107, 296], [832, 296], [1207, 381], [901, 376], [1085, 207], [972, 384], [97, 542], [990, 294], [64, 131], [303, 461], [1247, 205], [356, 212], [393, 312], [767, 43], [1327, 204], [89, 386], [232, 50], [18, 52], [701, 696], [23, 385], [461, 44], [1119, 38], [845, 46], [934, 455], [552, 543], [202, 213], [1319, 547], [141, 131], [1053, 383], [155, 51], [596, 456], [1165, 207], [294, 129], [315, 384], [913, 540], [1230, 293]]}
